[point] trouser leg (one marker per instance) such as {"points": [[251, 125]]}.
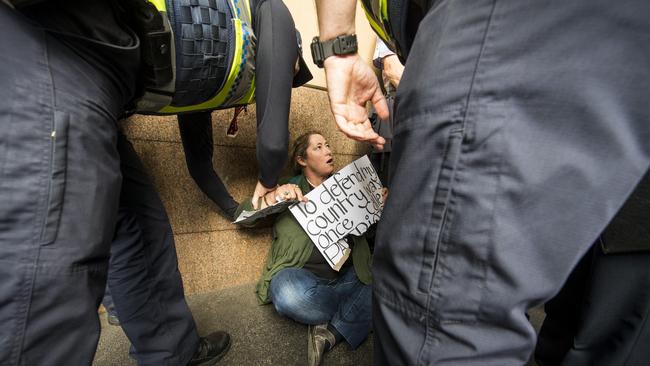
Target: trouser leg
{"points": [[108, 303], [302, 296], [59, 188], [600, 315], [615, 317], [502, 178], [563, 315], [198, 145], [143, 276], [345, 302], [353, 318]]}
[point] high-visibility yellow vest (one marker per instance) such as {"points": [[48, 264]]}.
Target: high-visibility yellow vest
{"points": [[377, 14], [238, 86]]}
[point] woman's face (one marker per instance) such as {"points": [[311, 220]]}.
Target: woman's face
{"points": [[319, 158]]}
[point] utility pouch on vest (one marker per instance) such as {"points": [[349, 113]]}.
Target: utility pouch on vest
{"points": [[629, 231], [156, 51], [212, 56], [155, 40]]}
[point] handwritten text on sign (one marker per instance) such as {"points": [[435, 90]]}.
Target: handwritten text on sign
{"points": [[346, 203]]}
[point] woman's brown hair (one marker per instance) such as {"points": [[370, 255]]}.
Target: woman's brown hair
{"points": [[300, 147]]}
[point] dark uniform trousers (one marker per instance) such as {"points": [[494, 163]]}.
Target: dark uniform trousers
{"points": [[60, 179], [601, 316], [520, 129], [143, 275], [59, 191]]}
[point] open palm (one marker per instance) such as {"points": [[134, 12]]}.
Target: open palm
{"points": [[350, 84]]}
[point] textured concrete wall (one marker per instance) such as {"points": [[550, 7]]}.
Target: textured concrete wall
{"points": [[213, 253]]}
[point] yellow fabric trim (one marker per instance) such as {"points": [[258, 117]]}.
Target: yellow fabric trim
{"points": [[159, 4], [383, 5], [218, 99], [373, 23]]}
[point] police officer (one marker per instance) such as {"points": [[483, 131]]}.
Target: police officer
{"points": [[143, 269], [229, 56], [522, 127], [600, 317], [391, 72], [69, 71]]}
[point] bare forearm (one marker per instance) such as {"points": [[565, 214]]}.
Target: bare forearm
{"points": [[335, 17], [350, 81]]}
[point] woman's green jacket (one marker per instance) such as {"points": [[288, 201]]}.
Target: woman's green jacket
{"points": [[291, 247]]}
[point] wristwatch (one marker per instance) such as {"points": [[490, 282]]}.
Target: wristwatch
{"points": [[341, 45]]}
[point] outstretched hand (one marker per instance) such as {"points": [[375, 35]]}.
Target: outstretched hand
{"points": [[350, 84]]}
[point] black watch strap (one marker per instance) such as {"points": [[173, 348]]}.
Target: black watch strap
{"points": [[341, 45]]}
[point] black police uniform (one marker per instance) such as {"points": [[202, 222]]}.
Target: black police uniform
{"points": [[69, 69], [520, 130]]}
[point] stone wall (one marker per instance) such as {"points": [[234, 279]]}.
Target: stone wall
{"points": [[213, 253]]}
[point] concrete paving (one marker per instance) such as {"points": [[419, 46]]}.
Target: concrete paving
{"points": [[259, 335]]}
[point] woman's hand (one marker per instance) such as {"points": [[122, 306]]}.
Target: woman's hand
{"points": [[287, 192], [384, 195]]}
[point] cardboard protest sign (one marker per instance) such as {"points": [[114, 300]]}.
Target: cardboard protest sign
{"points": [[346, 203]]}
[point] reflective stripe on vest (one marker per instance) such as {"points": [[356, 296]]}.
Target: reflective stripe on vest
{"points": [[377, 14], [239, 87], [159, 4]]}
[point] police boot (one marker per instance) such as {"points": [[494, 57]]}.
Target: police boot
{"points": [[211, 349]]}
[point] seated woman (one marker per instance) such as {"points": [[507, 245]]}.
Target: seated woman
{"points": [[297, 279]]}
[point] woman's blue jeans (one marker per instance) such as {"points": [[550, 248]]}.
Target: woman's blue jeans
{"points": [[344, 302]]}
